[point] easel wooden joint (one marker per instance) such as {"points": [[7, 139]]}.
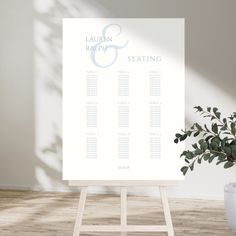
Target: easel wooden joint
{"points": [[123, 227]]}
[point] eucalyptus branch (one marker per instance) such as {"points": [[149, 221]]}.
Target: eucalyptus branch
{"points": [[215, 144], [216, 116]]}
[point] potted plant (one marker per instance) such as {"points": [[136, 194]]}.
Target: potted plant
{"points": [[215, 141]]}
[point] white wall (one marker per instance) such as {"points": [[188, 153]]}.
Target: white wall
{"points": [[30, 82]]}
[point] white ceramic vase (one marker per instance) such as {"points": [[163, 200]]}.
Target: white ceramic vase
{"points": [[230, 205]]}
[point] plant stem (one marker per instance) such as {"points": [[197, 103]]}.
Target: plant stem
{"points": [[206, 112], [217, 152]]}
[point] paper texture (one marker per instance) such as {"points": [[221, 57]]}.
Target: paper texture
{"points": [[123, 98]]}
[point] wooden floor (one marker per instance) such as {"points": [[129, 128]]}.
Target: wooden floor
{"points": [[53, 214]]}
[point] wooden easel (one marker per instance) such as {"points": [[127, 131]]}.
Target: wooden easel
{"points": [[123, 227]]}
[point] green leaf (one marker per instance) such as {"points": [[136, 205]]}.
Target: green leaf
{"points": [[189, 133], [211, 158], [176, 140], [224, 127], [228, 164], [233, 149], [198, 151], [183, 137], [209, 109], [196, 134], [203, 146], [227, 150], [183, 153], [232, 125], [227, 132], [215, 109], [206, 128], [198, 108], [221, 155], [189, 155], [206, 156], [191, 166], [214, 128], [223, 142], [195, 146], [201, 141], [199, 160], [178, 135], [209, 137], [186, 160], [233, 142], [214, 146], [184, 170], [217, 114], [216, 139], [220, 161], [198, 127]]}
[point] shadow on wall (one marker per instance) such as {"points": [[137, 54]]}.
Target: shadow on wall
{"points": [[48, 87], [48, 92], [209, 79], [47, 24]]}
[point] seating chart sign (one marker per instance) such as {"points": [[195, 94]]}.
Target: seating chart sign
{"points": [[123, 98]]}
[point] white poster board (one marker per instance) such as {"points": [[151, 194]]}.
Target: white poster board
{"points": [[123, 98]]}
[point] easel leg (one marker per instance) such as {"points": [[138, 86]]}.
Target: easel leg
{"points": [[78, 222], [166, 209], [123, 208]]}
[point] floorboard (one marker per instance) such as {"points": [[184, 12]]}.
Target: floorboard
{"points": [[26, 213]]}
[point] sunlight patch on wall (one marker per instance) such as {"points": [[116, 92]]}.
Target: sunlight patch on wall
{"points": [[200, 91]]}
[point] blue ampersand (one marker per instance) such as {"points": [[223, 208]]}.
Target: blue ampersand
{"points": [[107, 47]]}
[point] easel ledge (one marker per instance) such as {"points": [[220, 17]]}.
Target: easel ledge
{"points": [[123, 228], [127, 183]]}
